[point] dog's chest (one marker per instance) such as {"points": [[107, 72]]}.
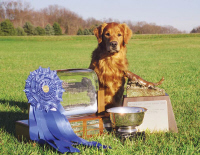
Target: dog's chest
{"points": [[110, 66]]}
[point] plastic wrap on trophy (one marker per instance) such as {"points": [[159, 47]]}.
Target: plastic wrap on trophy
{"points": [[81, 86]]}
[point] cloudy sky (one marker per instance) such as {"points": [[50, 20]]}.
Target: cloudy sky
{"points": [[181, 14]]}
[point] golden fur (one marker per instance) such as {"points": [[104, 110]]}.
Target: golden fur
{"points": [[109, 60]]}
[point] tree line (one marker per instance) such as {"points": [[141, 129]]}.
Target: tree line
{"points": [[7, 29], [22, 15], [19, 13], [196, 30]]}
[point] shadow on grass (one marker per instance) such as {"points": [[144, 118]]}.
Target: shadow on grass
{"points": [[22, 105], [8, 118]]}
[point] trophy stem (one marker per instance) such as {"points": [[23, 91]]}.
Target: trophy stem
{"points": [[127, 129]]}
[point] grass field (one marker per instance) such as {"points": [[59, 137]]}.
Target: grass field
{"points": [[176, 57]]}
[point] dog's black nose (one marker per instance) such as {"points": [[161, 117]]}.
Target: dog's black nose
{"points": [[113, 43]]}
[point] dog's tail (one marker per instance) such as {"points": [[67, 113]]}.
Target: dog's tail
{"points": [[160, 82], [133, 77]]}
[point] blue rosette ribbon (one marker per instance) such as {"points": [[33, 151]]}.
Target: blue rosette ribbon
{"points": [[46, 122]]}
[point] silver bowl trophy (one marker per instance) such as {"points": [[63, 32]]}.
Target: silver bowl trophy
{"points": [[124, 120]]}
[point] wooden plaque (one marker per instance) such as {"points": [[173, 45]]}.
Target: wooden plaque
{"points": [[86, 126], [159, 116]]}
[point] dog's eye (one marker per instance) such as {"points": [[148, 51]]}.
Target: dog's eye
{"points": [[108, 34], [119, 35]]}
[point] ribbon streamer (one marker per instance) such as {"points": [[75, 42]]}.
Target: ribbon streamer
{"points": [[46, 122]]}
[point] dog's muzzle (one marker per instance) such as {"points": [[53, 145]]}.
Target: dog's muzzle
{"points": [[113, 46]]}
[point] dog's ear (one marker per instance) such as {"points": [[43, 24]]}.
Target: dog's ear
{"points": [[127, 33], [99, 31]]}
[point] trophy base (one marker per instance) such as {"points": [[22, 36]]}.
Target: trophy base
{"points": [[85, 126], [123, 136]]}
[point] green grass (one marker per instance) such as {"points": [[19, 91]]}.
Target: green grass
{"points": [[176, 57]]}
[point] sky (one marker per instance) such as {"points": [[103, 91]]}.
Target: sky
{"points": [[181, 14]]}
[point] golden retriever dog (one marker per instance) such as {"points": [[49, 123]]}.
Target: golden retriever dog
{"points": [[110, 63], [109, 60]]}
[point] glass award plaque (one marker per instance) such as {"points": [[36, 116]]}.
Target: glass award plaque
{"points": [[80, 96], [80, 100]]}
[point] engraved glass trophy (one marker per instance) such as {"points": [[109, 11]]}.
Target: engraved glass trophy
{"points": [[80, 100], [80, 96]]}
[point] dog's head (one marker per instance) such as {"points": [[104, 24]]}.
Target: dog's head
{"points": [[113, 36]]}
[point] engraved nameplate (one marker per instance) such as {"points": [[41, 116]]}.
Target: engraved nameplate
{"points": [[80, 123], [93, 122], [156, 117], [93, 132]]}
